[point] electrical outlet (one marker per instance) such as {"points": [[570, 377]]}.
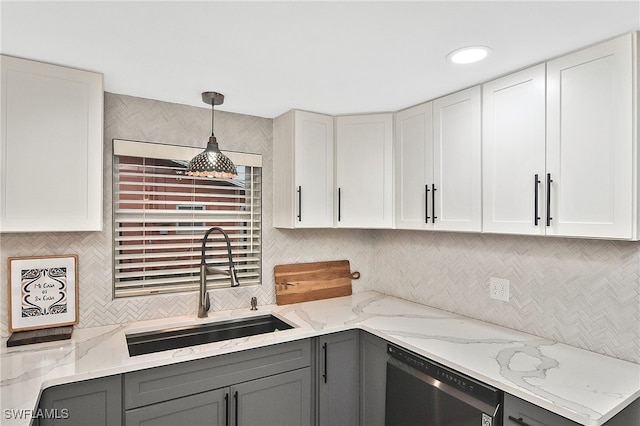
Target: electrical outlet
{"points": [[499, 289]]}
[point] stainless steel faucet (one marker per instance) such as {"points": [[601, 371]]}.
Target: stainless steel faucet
{"points": [[203, 299]]}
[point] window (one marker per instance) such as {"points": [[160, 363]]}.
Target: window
{"points": [[189, 226], [161, 215]]}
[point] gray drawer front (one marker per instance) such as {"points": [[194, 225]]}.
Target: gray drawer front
{"points": [[530, 414], [158, 384], [207, 408]]}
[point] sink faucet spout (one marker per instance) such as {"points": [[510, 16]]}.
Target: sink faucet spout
{"points": [[203, 298]]}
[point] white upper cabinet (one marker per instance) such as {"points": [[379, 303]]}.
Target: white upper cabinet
{"points": [[457, 162], [51, 148], [413, 167], [306, 161], [364, 171], [591, 142], [513, 153], [579, 179], [438, 164], [549, 150], [303, 187]]}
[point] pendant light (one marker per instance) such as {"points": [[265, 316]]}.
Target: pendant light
{"points": [[211, 162]]}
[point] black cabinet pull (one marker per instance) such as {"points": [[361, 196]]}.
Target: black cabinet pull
{"points": [[433, 203], [519, 420], [324, 373], [235, 397], [426, 204], [299, 203], [339, 204], [549, 180], [536, 184], [226, 409]]}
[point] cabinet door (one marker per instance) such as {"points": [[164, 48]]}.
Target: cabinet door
{"points": [[50, 148], [314, 170], [590, 142], [513, 153], [283, 399], [338, 381], [92, 402], [457, 164], [207, 408], [413, 167], [364, 171], [373, 379], [303, 170]]}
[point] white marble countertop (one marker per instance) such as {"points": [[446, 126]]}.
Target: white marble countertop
{"points": [[583, 386]]}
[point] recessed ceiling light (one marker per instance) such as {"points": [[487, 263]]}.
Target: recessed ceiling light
{"points": [[468, 55]]}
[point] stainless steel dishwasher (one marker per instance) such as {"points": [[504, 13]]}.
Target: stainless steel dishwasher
{"points": [[422, 392]]}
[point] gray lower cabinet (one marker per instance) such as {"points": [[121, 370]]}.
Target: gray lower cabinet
{"points": [[91, 402], [279, 400], [338, 379], [629, 416], [373, 379], [270, 386], [518, 412], [264, 386]]}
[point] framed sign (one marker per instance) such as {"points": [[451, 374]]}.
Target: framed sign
{"points": [[43, 292]]}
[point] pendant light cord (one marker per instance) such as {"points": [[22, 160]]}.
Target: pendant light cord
{"points": [[212, 117]]}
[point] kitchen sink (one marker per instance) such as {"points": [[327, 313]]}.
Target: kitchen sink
{"points": [[199, 334]]}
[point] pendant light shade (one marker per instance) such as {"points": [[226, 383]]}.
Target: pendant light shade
{"points": [[211, 162]]}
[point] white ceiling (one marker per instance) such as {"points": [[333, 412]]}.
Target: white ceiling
{"points": [[331, 57]]}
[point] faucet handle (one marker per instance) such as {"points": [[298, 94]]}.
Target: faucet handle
{"points": [[203, 305], [254, 304], [207, 303], [234, 277]]}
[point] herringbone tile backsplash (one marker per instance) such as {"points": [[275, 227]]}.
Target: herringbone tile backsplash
{"points": [[585, 293]]}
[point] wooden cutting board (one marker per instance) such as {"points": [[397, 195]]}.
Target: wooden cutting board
{"points": [[301, 282]]}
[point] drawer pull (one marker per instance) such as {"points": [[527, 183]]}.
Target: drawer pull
{"points": [[519, 420], [433, 203], [426, 204], [299, 203], [324, 350], [536, 183], [226, 405], [235, 398], [549, 182]]}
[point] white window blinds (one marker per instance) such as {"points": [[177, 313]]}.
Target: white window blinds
{"points": [[161, 215]]}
